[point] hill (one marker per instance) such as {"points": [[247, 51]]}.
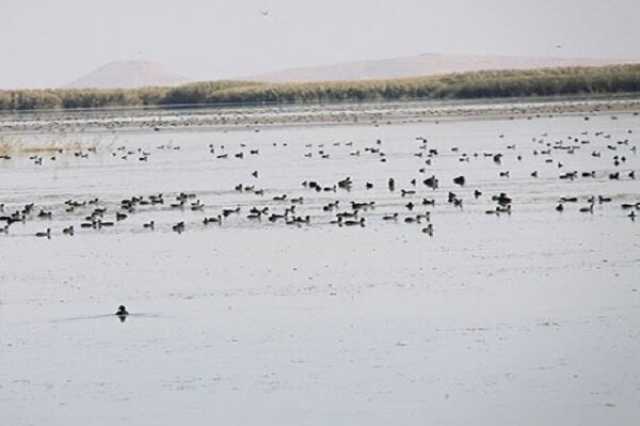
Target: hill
{"points": [[128, 75], [426, 65]]}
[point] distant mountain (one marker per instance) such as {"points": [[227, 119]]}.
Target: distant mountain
{"points": [[423, 65], [128, 75]]}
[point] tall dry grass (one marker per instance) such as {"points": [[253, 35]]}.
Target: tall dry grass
{"points": [[481, 84]]}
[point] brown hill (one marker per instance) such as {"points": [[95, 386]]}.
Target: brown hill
{"points": [[128, 75], [423, 65]]}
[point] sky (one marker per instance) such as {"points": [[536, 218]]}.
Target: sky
{"points": [[49, 43]]}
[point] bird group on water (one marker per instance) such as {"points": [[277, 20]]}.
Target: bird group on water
{"points": [[411, 201]]}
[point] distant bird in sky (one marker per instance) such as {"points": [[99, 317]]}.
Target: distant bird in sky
{"points": [[558, 46], [264, 12]]}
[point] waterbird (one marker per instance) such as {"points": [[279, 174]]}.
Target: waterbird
{"points": [[393, 216], [178, 227], [46, 234], [459, 180], [122, 313]]}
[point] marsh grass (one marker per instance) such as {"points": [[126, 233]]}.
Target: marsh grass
{"points": [[15, 146], [471, 85]]}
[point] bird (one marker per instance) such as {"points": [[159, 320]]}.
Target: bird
{"points": [[46, 234], [122, 313]]}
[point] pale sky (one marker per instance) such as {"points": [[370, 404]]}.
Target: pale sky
{"points": [[48, 43]]}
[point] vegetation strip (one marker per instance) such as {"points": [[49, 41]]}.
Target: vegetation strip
{"points": [[471, 85]]}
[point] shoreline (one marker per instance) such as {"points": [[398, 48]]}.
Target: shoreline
{"points": [[258, 118]]}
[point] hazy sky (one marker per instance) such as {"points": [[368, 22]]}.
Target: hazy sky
{"points": [[48, 43]]}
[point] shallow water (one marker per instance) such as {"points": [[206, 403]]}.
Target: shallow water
{"points": [[526, 318]]}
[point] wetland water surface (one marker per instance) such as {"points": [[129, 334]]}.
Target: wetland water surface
{"points": [[529, 317]]}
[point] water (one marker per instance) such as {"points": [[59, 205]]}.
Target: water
{"points": [[528, 318]]}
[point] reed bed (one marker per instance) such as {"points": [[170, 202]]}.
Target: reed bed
{"points": [[482, 84]]}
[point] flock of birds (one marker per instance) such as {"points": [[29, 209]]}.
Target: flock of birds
{"points": [[411, 201]]}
